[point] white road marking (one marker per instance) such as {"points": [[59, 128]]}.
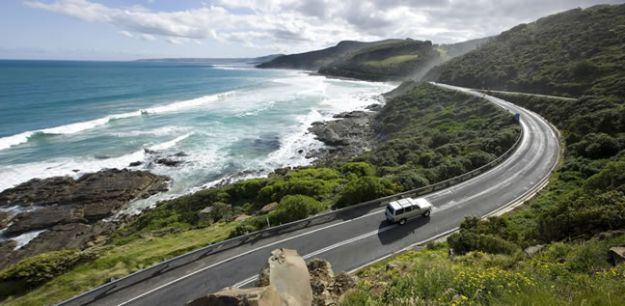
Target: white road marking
{"points": [[328, 248], [243, 254]]}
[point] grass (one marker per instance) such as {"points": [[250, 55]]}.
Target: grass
{"points": [[562, 274], [116, 261], [393, 60]]}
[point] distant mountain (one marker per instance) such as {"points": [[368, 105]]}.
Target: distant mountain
{"points": [[571, 53], [216, 61], [314, 60], [391, 59]]}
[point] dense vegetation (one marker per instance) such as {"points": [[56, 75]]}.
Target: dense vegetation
{"points": [[390, 61], [579, 52], [580, 215], [425, 134]]}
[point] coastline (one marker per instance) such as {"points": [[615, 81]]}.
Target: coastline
{"points": [[322, 153]]}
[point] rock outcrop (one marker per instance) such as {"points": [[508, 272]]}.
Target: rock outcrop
{"points": [[349, 135], [327, 288], [70, 210], [286, 280]]}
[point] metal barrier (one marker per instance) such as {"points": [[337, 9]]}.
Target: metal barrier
{"points": [[339, 214]]}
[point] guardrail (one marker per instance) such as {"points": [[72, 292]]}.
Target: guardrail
{"points": [[339, 214]]}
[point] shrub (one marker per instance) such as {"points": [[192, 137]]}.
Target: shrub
{"points": [[358, 168], [581, 214], [364, 189], [612, 177], [246, 189], [410, 179], [465, 241], [34, 271], [295, 207]]}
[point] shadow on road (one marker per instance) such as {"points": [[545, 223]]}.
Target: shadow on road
{"points": [[397, 231]]}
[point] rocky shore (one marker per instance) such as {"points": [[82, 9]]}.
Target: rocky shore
{"points": [[67, 211], [348, 135]]}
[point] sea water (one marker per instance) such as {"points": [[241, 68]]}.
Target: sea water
{"points": [[67, 118]]}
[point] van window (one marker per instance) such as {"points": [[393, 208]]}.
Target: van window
{"points": [[399, 211], [408, 209]]}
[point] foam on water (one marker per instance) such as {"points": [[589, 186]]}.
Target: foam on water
{"points": [[25, 238], [10, 141], [169, 144]]}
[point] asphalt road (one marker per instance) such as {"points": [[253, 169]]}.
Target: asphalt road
{"points": [[351, 243]]}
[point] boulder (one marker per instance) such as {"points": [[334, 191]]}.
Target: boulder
{"points": [[616, 255], [135, 164], [205, 214], [287, 272], [532, 250], [286, 280], [168, 162], [268, 208], [242, 217]]}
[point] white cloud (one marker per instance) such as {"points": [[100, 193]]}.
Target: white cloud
{"points": [[294, 25]]}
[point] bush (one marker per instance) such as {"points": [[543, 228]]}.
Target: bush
{"points": [[410, 179], [612, 177], [466, 241], [581, 214], [358, 168], [34, 271], [295, 207], [364, 189], [246, 189]]}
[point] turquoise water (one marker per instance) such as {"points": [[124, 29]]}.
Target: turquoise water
{"points": [[70, 118]]}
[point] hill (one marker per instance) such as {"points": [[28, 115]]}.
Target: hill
{"points": [[572, 53], [314, 60], [393, 59]]}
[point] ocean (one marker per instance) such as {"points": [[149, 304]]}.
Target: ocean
{"points": [[61, 118]]}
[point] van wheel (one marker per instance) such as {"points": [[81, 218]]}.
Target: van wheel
{"points": [[402, 221], [427, 213]]}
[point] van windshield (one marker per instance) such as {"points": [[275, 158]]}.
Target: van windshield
{"points": [[390, 210]]}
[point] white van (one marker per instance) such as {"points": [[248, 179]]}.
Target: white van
{"points": [[408, 208]]}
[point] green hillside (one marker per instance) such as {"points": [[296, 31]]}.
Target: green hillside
{"points": [[572, 53], [314, 60], [578, 217], [392, 59]]}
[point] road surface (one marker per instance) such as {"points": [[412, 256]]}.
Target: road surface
{"points": [[351, 243]]}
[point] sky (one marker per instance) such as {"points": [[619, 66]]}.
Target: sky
{"points": [[125, 29]]}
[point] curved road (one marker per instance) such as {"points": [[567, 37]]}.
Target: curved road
{"points": [[351, 243]]}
